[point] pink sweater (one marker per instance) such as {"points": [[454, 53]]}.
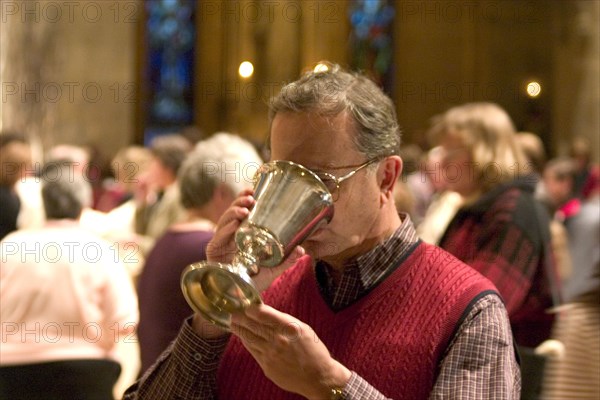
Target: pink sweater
{"points": [[64, 294]]}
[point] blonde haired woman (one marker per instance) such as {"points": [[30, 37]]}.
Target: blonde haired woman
{"points": [[500, 230]]}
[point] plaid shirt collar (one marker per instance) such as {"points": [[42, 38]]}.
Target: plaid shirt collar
{"points": [[365, 272]]}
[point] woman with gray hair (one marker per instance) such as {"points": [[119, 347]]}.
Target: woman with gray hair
{"points": [[209, 180]]}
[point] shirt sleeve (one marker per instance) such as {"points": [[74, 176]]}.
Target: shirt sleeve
{"points": [[358, 388], [480, 362], [186, 370]]}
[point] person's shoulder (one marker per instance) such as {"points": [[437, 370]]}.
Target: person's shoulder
{"points": [[515, 205], [86, 234], [27, 235], [443, 261], [488, 306], [185, 241], [91, 246], [12, 237], [436, 255]]}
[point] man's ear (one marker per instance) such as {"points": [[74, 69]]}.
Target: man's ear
{"points": [[389, 172]]}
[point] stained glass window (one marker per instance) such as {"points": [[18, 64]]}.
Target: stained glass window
{"points": [[170, 39], [371, 39]]}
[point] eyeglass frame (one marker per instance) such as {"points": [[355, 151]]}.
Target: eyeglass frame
{"points": [[339, 180]]}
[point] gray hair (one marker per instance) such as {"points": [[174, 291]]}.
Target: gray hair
{"points": [[76, 155], [335, 91], [222, 158], [171, 150], [65, 191]]}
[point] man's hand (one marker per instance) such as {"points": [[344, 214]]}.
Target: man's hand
{"points": [[222, 247], [289, 352]]}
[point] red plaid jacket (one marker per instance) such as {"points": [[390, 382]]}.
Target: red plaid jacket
{"points": [[505, 236]]}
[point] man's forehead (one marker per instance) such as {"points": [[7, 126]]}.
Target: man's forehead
{"points": [[312, 134], [311, 125]]}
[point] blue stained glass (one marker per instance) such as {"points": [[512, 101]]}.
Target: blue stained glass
{"points": [[371, 6], [371, 39], [170, 38]]}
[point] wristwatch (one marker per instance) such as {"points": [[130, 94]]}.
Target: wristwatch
{"points": [[337, 394]]}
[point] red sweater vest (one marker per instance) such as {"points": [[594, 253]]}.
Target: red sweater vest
{"points": [[394, 337]]}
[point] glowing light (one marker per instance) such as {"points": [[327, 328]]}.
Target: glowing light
{"points": [[246, 69], [533, 89], [320, 67]]}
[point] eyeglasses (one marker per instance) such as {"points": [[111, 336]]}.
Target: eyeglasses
{"points": [[332, 182]]}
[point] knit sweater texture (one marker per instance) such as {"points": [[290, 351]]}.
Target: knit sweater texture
{"points": [[394, 336]]}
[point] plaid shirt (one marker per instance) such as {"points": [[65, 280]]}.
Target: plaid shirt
{"points": [[479, 362], [365, 272]]}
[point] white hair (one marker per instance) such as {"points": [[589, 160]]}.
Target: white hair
{"points": [[68, 152], [223, 158], [235, 160]]}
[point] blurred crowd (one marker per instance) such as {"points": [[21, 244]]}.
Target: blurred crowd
{"points": [[459, 198], [93, 250], [92, 254]]}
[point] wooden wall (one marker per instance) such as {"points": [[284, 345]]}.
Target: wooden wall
{"points": [[67, 72], [281, 39], [446, 53]]}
